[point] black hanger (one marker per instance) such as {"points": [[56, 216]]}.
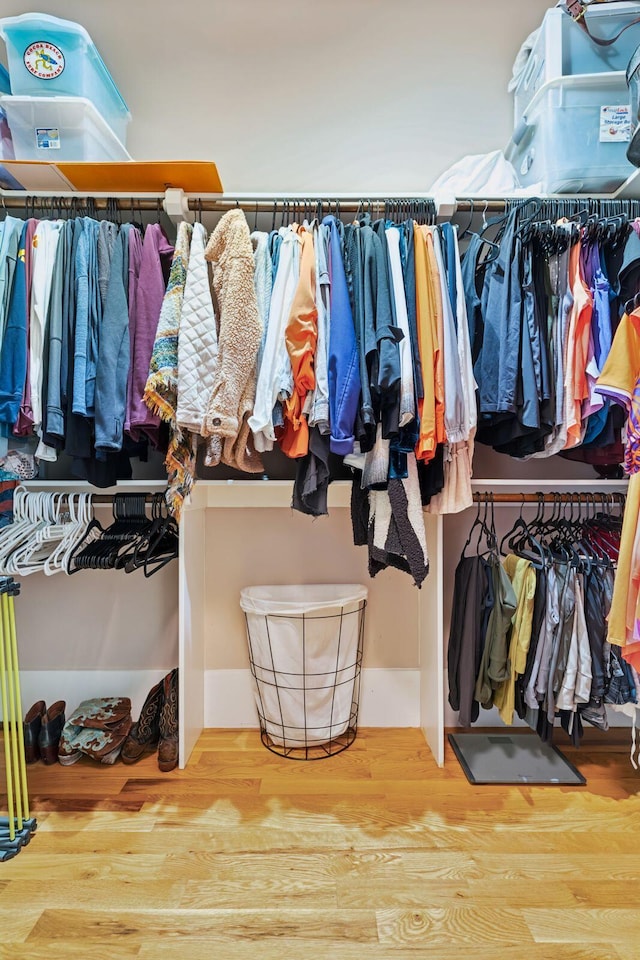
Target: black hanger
{"points": [[467, 230], [163, 547], [519, 540]]}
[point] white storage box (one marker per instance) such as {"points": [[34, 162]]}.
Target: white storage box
{"points": [[574, 136], [50, 57], [305, 652], [563, 49], [59, 129]]}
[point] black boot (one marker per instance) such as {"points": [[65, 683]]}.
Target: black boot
{"points": [[52, 726], [145, 733], [32, 727], [168, 749]]}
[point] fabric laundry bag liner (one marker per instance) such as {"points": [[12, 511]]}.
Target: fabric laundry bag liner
{"points": [[304, 648]]}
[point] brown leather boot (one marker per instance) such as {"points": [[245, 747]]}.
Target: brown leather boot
{"points": [[32, 728], [145, 733], [168, 749]]}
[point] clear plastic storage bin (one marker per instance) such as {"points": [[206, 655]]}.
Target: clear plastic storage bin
{"points": [[59, 129], [574, 136], [49, 57], [563, 49]]}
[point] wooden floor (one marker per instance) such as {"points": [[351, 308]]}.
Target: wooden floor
{"points": [[373, 853]]}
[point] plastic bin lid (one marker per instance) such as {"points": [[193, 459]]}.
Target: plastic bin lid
{"points": [[44, 21], [5, 82], [296, 599]]}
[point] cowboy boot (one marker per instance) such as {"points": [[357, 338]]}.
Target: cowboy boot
{"points": [[144, 734], [50, 731], [32, 726], [633, 82], [168, 749]]}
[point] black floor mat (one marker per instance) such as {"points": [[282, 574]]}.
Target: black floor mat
{"points": [[512, 758]]}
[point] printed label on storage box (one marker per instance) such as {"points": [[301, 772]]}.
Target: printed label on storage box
{"points": [[44, 60], [615, 124], [47, 138]]}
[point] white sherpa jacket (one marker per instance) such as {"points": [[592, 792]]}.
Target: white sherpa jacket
{"points": [[239, 334]]}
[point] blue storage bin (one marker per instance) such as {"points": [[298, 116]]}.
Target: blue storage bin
{"points": [[57, 58]]}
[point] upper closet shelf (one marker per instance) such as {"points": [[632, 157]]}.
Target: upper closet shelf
{"points": [[129, 177]]}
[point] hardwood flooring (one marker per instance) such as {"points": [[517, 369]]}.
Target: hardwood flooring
{"points": [[374, 853]]}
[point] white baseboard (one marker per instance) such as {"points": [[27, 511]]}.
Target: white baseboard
{"points": [[388, 698]]}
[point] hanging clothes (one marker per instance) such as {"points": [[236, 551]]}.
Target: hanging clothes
{"points": [[112, 366], [198, 339], [528, 631], [161, 390], [153, 276], [233, 395]]}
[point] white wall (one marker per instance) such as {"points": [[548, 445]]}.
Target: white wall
{"points": [[297, 95]]}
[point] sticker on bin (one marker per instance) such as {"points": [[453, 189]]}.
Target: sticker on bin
{"points": [[47, 138], [615, 124], [44, 60]]}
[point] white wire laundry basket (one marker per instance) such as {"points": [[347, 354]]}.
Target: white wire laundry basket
{"points": [[305, 652]]}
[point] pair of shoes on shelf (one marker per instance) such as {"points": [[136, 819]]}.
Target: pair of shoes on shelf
{"points": [[42, 731], [156, 726]]}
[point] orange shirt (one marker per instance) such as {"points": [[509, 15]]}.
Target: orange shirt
{"points": [[301, 336], [427, 324]]}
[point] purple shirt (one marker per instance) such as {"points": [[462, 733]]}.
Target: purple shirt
{"points": [[145, 301]]}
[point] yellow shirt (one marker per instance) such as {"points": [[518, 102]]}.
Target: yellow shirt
{"points": [[620, 617], [523, 579], [622, 367]]}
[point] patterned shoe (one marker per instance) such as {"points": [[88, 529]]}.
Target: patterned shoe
{"points": [[168, 749], [68, 748], [146, 732]]}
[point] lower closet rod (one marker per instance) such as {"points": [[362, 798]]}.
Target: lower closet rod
{"points": [[103, 497], [587, 498]]}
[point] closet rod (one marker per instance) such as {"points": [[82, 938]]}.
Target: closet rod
{"points": [[100, 497], [265, 203], [587, 498], [261, 203]]}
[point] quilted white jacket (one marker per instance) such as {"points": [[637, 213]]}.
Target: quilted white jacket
{"points": [[198, 342]]}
